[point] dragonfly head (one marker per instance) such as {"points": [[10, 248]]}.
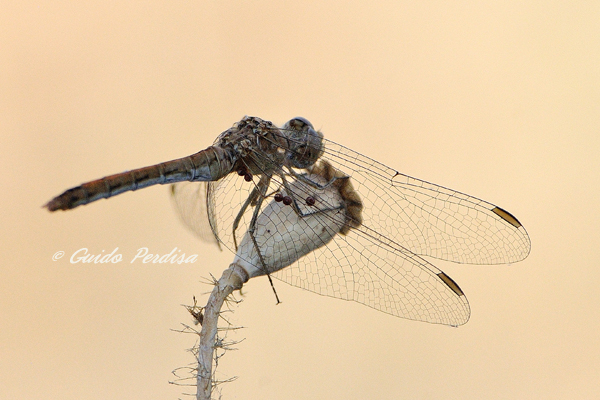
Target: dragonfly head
{"points": [[305, 144]]}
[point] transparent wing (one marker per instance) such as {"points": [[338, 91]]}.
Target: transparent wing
{"points": [[190, 200], [390, 279], [428, 219], [210, 209]]}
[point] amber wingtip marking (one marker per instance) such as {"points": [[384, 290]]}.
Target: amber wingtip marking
{"points": [[450, 283], [508, 217]]}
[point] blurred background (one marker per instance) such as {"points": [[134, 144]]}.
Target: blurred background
{"points": [[499, 100]]}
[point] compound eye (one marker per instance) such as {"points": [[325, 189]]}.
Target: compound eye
{"points": [[299, 123], [305, 144]]}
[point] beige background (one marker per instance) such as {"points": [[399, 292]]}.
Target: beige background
{"points": [[498, 101]]}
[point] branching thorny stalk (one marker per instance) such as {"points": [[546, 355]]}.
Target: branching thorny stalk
{"points": [[232, 279]]}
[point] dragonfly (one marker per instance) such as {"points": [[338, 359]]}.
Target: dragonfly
{"points": [[365, 244]]}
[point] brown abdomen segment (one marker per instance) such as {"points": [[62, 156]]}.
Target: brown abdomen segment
{"points": [[210, 164]]}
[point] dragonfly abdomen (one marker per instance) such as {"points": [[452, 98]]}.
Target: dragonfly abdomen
{"points": [[210, 164]]}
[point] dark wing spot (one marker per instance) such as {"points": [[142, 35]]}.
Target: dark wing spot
{"points": [[508, 217], [450, 283]]}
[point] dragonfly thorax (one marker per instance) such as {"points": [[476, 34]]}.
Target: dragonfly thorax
{"points": [[255, 144]]}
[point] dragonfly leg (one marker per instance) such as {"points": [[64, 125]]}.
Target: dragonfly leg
{"points": [[310, 183], [250, 200], [261, 189]]}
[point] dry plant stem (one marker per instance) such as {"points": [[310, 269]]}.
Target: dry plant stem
{"points": [[232, 279]]}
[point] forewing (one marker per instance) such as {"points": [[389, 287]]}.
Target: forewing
{"points": [[428, 219]]}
